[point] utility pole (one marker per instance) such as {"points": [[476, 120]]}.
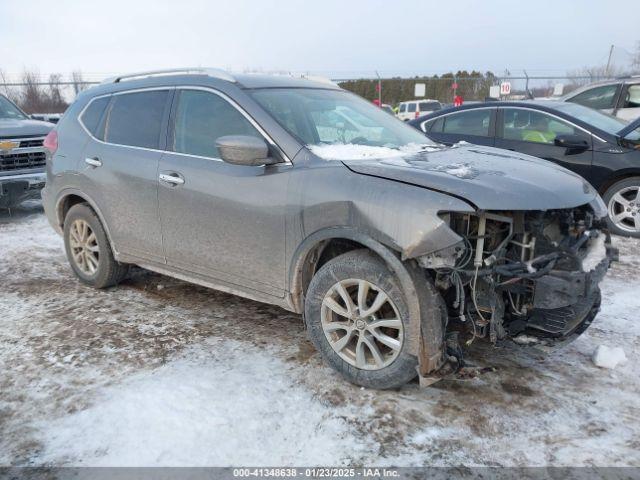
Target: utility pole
{"points": [[606, 72]]}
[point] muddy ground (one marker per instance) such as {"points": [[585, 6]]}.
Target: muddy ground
{"points": [[161, 372]]}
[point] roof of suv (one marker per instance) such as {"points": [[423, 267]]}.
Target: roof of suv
{"points": [[247, 80]]}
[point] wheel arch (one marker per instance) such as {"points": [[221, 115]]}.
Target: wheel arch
{"points": [[619, 175], [70, 197], [414, 284]]}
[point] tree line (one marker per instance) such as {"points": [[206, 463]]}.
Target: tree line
{"points": [[37, 96], [470, 86]]}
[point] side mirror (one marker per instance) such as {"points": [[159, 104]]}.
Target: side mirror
{"points": [[571, 142], [244, 150]]}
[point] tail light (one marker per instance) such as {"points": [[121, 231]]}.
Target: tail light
{"points": [[417, 113], [51, 142]]}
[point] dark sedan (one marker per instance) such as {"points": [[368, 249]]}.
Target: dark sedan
{"points": [[602, 149]]}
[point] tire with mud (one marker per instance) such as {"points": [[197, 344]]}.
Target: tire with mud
{"points": [[357, 317], [88, 249]]}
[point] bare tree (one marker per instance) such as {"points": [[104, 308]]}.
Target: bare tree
{"points": [[78, 82], [635, 62], [56, 102], [33, 97]]}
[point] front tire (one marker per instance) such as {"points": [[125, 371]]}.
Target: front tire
{"points": [[623, 207], [357, 317], [88, 249]]}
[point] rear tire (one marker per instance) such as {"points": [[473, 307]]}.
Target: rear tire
{"points": [[623, 207], [369, 349], [88, 249]]}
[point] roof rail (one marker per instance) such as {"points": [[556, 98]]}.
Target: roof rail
{"points": [[211, 72]]}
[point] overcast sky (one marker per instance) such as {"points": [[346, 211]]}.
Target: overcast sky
{"points": [[338, 38]]}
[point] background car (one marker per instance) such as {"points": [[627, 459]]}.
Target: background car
{"points": [[387, 108], [602, 149], [620, 98], [414, 108], [22, 154]]}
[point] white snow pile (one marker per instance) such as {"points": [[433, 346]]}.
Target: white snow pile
{"points": [[596, 252], [350, 151], [459, 170], [221, 404], [606, 357]]}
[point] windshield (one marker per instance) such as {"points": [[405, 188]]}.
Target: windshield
{"points": [[9, 110], [596, 118], [335, 117]]}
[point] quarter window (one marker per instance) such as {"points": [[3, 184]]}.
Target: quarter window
{"points": [[202, 118], [412, 107], [470, 122], [135, 119], [531, 126], [92, 115], [599, 98], [438, 125]]}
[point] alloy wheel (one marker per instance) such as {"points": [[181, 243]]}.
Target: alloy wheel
{"points": [[362, 324], [624, 209], [84, 247]]}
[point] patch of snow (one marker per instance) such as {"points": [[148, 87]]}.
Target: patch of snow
{"points": [[606, 357], [523, 339], [596, 253], [350, 151], [245, 411], [396, 161], [459, 170]]}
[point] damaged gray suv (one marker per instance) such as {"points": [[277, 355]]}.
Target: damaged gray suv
{"points": [[297, 193]]}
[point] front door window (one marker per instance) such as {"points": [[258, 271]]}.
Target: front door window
{"points": [[533, 126]]}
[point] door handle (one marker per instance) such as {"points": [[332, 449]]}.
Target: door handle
{"points": [[172, 178], [94, 162]]}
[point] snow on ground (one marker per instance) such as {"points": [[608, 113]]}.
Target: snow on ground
{"points": [[183, 375]]}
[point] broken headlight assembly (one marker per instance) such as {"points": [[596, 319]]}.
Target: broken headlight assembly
{"points": [[532, 274]]}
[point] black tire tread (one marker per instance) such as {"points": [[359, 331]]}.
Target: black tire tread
{"points": [[110, 272]]}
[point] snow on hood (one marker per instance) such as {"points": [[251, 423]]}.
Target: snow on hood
{"points": [[489, 178], [350, 151]]}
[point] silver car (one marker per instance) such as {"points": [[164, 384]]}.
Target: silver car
{"points": [[394, 250]]}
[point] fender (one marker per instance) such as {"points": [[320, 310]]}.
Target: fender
{"points": [[424, 318]]}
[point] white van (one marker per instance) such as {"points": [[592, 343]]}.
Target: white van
{"points": [[416, 108]]}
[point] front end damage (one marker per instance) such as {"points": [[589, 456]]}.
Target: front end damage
{"points": [[529, 276]]}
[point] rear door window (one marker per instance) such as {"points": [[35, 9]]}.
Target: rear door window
{"points": [[429, 106], [469, 122], [412, 107], [135, 119], [93, 114]]}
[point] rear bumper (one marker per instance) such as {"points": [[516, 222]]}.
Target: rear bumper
{"points": [[17, 188]]}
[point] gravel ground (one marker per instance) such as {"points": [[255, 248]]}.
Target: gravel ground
{"points": [[161, 372]]}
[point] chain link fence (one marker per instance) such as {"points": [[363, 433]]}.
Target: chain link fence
{"points": [[54, 94]]}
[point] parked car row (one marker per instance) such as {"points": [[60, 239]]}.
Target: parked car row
{"points": [[602, 149]]}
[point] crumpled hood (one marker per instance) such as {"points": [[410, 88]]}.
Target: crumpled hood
{"points": [[10, 127], [489, 178]]}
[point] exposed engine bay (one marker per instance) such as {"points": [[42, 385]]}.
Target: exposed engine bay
{"points": [[527, 275]]}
